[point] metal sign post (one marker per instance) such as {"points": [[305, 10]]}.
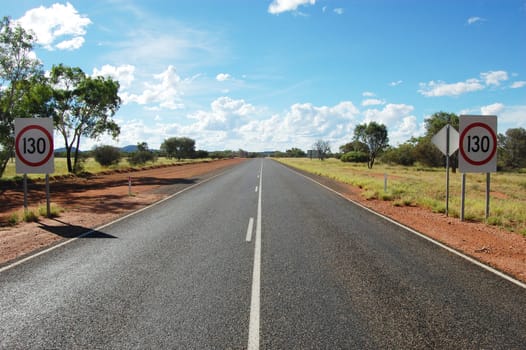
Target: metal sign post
{"points": [[34, 151], [478, 150], [447, 142]]}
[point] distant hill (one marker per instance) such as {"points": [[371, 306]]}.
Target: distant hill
{"points": [[129, 149]]}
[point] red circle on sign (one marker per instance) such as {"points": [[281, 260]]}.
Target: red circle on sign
{"points": [[493, 136], [46, 158]]}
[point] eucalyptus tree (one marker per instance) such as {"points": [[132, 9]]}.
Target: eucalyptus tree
{"points": [[83, 106], [21, 75]]}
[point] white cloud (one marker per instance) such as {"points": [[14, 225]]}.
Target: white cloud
{"points": [[279, 6], [494, 77], [473, 20], [166, 93], [368, 94], [440, 88], [223, 77], [373, 102], [124, 74], [518, 84], [493, 109], [396, 83], [52, 24], [401, 124], [339, 11]]}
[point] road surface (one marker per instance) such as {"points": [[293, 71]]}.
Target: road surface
{"points": [[259, 257]]}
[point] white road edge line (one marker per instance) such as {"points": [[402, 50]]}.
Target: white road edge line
{"points": [[253, 328], [19, 262], [449, 249], [256, 189], [250, 228]]}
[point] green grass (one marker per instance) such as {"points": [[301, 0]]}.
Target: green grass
{"points": [[426, 187]]}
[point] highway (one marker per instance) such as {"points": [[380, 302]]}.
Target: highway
{"points": [[258, 257]]}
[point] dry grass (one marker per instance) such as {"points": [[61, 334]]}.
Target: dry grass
{"points": [[426, 187]]}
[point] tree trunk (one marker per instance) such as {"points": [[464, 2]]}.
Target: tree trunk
{"points": [[5, 159], [76, 154]]}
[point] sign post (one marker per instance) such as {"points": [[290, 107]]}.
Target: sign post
{"points": [[447, 142], [34, 150], [478, 150]]}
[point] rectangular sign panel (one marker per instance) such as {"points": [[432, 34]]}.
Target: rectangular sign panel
{"points": [[478, 144], [34, 146]]}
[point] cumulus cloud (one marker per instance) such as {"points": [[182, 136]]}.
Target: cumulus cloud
{"points": [[493, 109], [440, 88], [279, 6], [223, 77], [56, 27], [166, 93], [398, 118], [368, 94], [494, 77], [372, 102], [396, 83], [518, 84], [473, 20], [124, 74], [339, 11]]}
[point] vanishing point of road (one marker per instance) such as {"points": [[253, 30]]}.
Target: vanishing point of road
{"points": [[257, 257]]}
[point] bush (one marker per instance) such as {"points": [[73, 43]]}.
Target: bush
{"points": [[141, 157], [107, 155], [355, 157]]}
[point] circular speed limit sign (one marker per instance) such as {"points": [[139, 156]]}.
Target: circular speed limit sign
{"points": [[34, 145], [478, 144]]}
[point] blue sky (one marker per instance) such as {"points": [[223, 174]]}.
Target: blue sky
{"points": [[275, 74]]}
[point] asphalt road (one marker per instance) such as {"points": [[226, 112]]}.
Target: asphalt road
{"points": [[257, 257]]}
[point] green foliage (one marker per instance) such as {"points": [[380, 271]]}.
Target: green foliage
{"points": [[30, 216], [82, 106], [374, 135], [512, 148], [142, 156], [355, 157], [107, 155], [18, 74], [354, 146], [178, 147], [54, 211], [404, 154], [13, 219], [295, 153]]}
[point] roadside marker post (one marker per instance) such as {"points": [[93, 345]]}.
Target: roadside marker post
{"points": [[446, 141], [478, 151], [34, 151]]}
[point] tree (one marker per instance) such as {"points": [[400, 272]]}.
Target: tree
{"points": [[402, 155], [295, 153], [322, 148], [107, 155], [354, 146], [374, 135], [142, 155], [433, 125], [18, 71], [83, 106], [512, 148], [178, 147]]}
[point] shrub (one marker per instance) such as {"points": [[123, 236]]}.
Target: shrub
{"points": [[107, 155], [141, 157], [355, 157]]}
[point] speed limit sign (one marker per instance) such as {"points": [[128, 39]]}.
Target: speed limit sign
{"points": [[34, 146], [478, 144]]}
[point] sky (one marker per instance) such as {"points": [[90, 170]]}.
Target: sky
{"points": [[264, 75]]}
